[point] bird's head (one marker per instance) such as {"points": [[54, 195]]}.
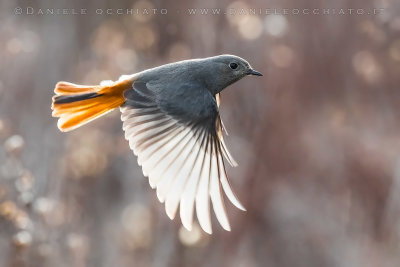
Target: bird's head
{"points": [[224, 70]]}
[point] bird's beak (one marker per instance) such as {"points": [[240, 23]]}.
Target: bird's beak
{"points": [[254, 72]]}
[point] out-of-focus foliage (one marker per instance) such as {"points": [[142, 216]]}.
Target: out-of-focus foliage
{"points": [[317, 138]]}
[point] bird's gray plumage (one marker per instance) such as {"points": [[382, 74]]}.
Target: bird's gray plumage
{"points": [[212, 73], [172, 122]]}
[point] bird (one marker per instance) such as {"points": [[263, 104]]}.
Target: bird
{"points": [[170, 117]]}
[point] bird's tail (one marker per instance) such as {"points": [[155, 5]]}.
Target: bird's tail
{"points": [[76, 105]]}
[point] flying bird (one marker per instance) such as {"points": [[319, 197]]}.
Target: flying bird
{"points": [[171, 120]]}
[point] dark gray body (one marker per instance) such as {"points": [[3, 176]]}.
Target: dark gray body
{"points": [[211, 73], [186, 90]]}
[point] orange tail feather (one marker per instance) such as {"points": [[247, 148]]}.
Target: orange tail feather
{"points": [[76, 105]]}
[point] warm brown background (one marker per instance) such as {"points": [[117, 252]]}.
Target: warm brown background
{"points": [[316, 138]]}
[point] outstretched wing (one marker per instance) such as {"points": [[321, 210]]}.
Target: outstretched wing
{"points": [[179, 146]]}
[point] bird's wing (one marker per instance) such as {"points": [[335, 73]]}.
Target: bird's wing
{"points": [[179, 146]]}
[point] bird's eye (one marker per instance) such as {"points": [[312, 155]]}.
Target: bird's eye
{"points": [[233, 65]]}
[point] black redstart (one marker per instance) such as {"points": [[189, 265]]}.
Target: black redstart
{"points": [[171, 120]]}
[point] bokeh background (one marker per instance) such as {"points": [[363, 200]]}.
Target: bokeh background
{"points": [[316, 138]]}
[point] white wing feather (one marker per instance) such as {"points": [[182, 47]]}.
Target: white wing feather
{"points": [[182, 164]]}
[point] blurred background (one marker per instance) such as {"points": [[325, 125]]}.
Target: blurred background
{"points": [[316, 138]]}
